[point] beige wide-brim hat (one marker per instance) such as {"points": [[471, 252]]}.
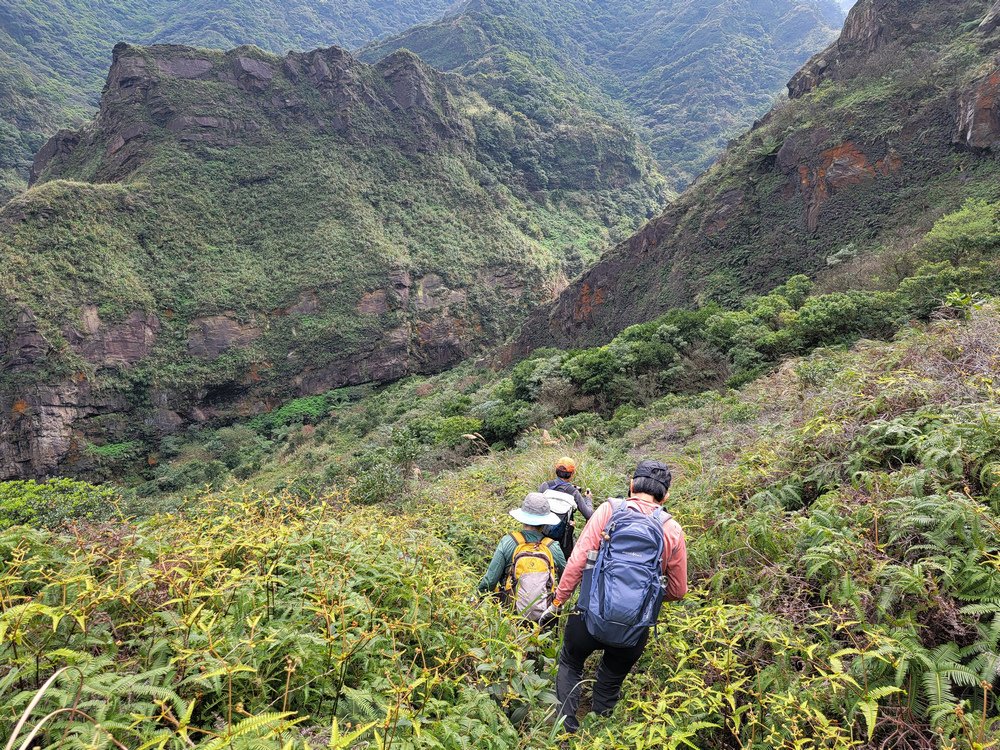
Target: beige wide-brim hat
{"points": [[534, 511]]}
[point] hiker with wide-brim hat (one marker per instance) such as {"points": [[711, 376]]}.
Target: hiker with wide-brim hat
{"points": [[526, 561]]}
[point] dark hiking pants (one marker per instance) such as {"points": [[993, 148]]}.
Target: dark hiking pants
{"points": [[615, 665]]}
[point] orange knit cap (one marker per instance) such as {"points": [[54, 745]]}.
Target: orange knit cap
{"points": [[566, 464]]}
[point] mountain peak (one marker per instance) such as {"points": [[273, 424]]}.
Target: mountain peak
{"points": [[872, 25], [223, 99]]}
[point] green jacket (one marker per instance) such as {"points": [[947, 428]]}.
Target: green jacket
{"points": [[504, 556]]}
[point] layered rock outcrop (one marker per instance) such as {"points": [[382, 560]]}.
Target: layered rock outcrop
{"points": [[870, 25], [977, 122], [364, 99], [991, 22]]}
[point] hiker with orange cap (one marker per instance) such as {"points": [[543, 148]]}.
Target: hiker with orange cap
{"points": [[565, 499]]}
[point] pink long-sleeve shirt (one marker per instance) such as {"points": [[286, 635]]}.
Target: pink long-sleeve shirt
{"points": [[674, 551]]}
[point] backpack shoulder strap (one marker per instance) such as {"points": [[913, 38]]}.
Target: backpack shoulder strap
{"points": [[662, 516], [518, 538]]}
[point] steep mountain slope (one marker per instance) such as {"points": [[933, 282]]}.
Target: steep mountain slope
{"points": [[54, 54], [692, 73], [239, 227], [892, 126]]}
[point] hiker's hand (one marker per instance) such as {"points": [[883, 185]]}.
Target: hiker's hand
{"points": [[588, 494], [551, 612]]}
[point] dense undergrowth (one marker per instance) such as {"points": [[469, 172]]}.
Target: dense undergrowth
{"points": [[841, 508], [843, 526]]}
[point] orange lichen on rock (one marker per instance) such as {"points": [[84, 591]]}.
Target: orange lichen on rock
{"points": [[589, 299], [839, 167]]}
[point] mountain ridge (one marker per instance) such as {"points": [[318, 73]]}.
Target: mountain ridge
{"points": [[57, 52], [689, 74]]}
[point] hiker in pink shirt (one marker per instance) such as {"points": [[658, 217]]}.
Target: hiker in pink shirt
{"points": [[649, 489]]}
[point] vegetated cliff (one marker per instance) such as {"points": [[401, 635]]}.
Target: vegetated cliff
{"points": [[54, 54], [238, 228], [894, 124], [692, 73]]}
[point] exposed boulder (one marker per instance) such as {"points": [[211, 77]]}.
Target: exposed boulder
{"points": [[388, 359], [992, 20], [57, 147], [211, 336], [977, 120], [373, 303], [41, 427], [184, 67], [433, 294], [28, 345], [120, 344], [252, 74]]}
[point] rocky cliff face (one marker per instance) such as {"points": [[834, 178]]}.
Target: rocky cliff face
{"points": [[870, 26], [355, 101], [234, 230], [892, 125]]}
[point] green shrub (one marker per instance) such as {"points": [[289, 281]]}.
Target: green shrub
{"points": [[377, 483], [970, 234], [584, 424], [626, 418], [192, 474], [450, 431], [305, 410], [503, 421], [115, 452], [50, 503], [238, 446]]}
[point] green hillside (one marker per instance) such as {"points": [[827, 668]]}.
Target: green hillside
{"points": [[724, 66], [841, 514], [238, 228], [890, 128], [55, 53], [692, 74]]}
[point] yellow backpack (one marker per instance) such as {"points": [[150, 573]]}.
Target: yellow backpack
{"points": [[531, 577]]}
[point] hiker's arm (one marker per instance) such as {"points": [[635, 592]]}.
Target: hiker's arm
{"points": [[677, 568], [583, 503], [589, 539], [497, 566]]}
